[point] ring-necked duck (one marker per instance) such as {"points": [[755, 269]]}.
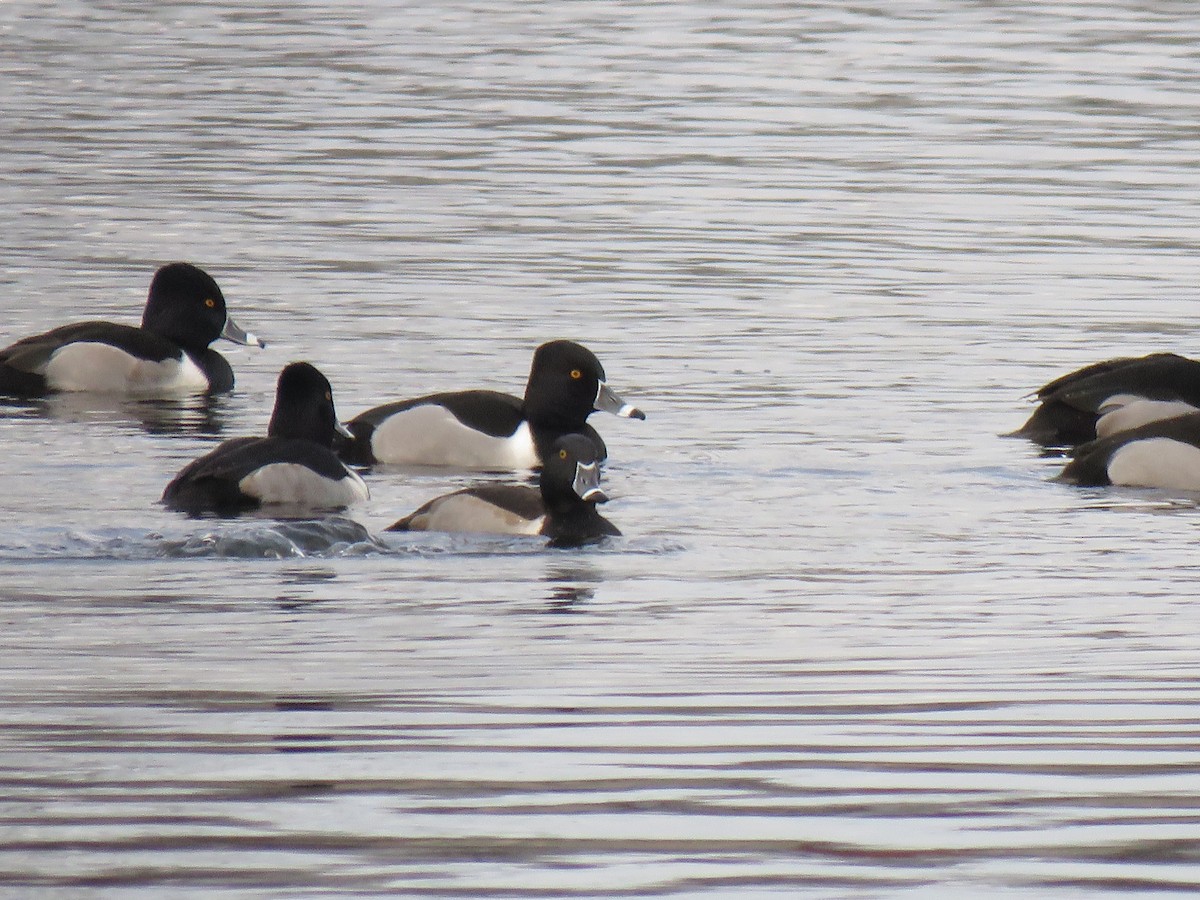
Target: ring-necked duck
{"points": [[563, 508], [168, 355], [491, 430], [1159, 454], [293, 465], [1111, 396]]}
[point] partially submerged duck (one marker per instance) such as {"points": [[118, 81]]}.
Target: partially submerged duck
{"points": [[1158, 454], [1111, 396], [562, 507]]}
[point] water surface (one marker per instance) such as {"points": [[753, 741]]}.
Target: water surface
{"points": [[852, 643]]}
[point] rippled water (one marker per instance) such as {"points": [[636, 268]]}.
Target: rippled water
{"points": [[852, 643]]}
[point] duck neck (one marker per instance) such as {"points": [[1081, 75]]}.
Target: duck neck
{"points": [[575, 524], [546, 416]]}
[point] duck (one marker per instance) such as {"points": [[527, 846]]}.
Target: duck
{"points": [[166, 356], [294, 464], [562, 507], [489, 430], [1112, 396], [1164, 453]]}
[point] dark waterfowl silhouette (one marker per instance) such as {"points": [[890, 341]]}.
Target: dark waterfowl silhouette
{"points": [[1111, 396], [562, 507], [490, 430], [169, 354], [294, 465]]}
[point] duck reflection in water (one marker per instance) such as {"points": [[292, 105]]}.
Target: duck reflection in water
{"points": [[571, 586], [187, 415]]}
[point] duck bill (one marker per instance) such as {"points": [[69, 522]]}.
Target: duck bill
{"points": [[607, 400], [234, 332], [587, 483], [343, 438]]}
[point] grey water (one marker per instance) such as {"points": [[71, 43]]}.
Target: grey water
{"points": [[852, 643]]}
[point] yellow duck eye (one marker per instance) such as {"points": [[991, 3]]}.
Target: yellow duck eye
{"points": [[562, 454], [210, 302], [576, 374]]}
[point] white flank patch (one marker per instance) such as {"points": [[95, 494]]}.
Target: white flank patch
{"points": [[466, 512], [429, 435], [1156, 462], [294, 484], [1116, 401], [102, 368], [1124, 412]]}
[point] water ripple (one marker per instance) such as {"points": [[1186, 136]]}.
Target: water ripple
{"points": [[852, 642]]}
